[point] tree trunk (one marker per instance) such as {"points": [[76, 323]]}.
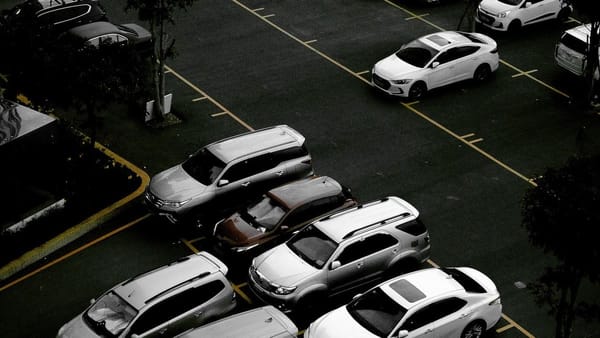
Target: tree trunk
{"points": [[159, 74]]}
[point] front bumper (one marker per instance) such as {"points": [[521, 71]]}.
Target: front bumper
{"points": [[387, 86], [491, 20], [284, 303]]}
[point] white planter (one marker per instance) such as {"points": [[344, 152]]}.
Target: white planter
{"points": [[150, 115]]}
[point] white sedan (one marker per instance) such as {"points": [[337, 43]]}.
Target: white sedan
{"points": [[436, 60], [447, 302]]}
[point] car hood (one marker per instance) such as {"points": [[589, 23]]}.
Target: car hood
{"points": [[338, 323], [76, 328], [142, 33], [495, 6], [174, 184], [281, 266], [236, 231], [393, 68]]}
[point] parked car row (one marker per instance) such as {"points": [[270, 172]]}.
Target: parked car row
{"points": [[319, 240], [75, 22]]}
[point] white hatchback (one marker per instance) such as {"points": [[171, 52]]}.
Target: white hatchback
{"points": [[510, 15], [436, 60], [447, 302]]}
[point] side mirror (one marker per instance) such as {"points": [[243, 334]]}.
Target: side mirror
{"points": [[527, 4], [357, 295], [334, 265], [135, 335], [285, 228], [402, 333], [222, 183], [435, 64], [92, 301]]}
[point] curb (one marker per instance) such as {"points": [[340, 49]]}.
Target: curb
{"points": [[82, 228]]}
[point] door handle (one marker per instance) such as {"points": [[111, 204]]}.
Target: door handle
{"points": [[245, 184], [359, 264], [428, 330], [162, 331], [279, 173], [198, 314]]}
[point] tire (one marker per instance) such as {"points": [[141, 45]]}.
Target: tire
{"points": [[482, 73], [475, 329], [417, 90], [514, 26]]}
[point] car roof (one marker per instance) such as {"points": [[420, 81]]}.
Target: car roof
{"points": [[580, 32], [413, 288], [142, 289], [94, 29], [303, 191], [245, 144], [441, 40], [340, 225]]}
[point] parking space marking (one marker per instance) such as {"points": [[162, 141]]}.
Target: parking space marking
{"points": [[310, 41], [268, 16], [215, 102], [572, 19], [432, 263], [194, 240], [199, 99], [517, 326], [467, 135], [189, 245], [420, 16], [525, 73], [363, 72], [416, 16], [74, 252], [258, 9], [218, 114], [504, 328], [412, 103], [242, 294]]}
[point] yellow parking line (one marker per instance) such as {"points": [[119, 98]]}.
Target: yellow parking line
{"points": [[467, 135], [476, 140], [268, 16], [74, 252], [519, 327], [198, 90], [258, 9], [363, 72], [416, 17], [199, 99], [310, 41], [504, 328], [525, 73], [218, 114], [534, 78], [190, 245], [241, 293], [412, 103], [196, 239]]}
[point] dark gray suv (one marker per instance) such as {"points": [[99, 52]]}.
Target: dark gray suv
{"points": [[228, 173]]}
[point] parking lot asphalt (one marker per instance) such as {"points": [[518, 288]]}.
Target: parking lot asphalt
{"points": [[464, 155]]}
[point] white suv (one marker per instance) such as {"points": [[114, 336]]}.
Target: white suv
{"points": [[503, 15], [339, 252], [570, 51]]}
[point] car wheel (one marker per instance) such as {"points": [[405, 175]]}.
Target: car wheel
{"points": [[417, 90], [482, 73], [563, 14], [514, 26], [474, 330]]}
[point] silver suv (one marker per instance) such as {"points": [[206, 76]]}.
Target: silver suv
{"points": [[339, 252], [163, 302], [228, 173], [570, 51]]}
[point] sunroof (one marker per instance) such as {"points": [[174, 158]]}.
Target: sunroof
{"points": [[438, 40], [405, 289]]}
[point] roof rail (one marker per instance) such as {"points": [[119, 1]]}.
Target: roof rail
{"points": [[385, 221], [358, 207], [176, 286]]}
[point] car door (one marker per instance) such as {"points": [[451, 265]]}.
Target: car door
{"points": [[537, 10], [442, 69], [455, 316], [361, 260], [466, 62]]}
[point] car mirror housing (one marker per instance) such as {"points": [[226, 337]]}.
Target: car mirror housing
{"points": [[222, 183], [335, 264], [402, 333], [435, 64], [285, 228]]}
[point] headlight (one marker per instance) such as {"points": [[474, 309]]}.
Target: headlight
{"points": [[403, 81], [283, 290], [244, 248], [175, 204], [495, 302], [503, 14]]}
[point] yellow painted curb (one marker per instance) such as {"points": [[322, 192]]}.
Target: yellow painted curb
{"points": [[82, 228]]}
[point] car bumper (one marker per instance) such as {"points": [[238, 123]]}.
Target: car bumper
{"points": [[284, 303], [154, 209], [491, 21], [387, 86]]}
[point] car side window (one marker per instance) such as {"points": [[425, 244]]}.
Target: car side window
{"points": [[465, 51], [433, 312], [366, 246], [309, 211], [288, 154], [58, 16], [249, 167], [449, 55], [175, 306], [414, 227]]}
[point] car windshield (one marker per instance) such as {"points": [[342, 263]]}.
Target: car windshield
{"points": [[511, 2], [203, 166], [265, 214], [376, 312], [312, 245], [416, 53], [111, 313]]}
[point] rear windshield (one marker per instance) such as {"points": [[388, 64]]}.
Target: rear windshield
{"points": [[465, 281], [574, 43]]}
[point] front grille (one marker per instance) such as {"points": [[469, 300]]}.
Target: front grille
{"points": [[260, 280], [380, 82], [155, 201], [485, 17]]}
